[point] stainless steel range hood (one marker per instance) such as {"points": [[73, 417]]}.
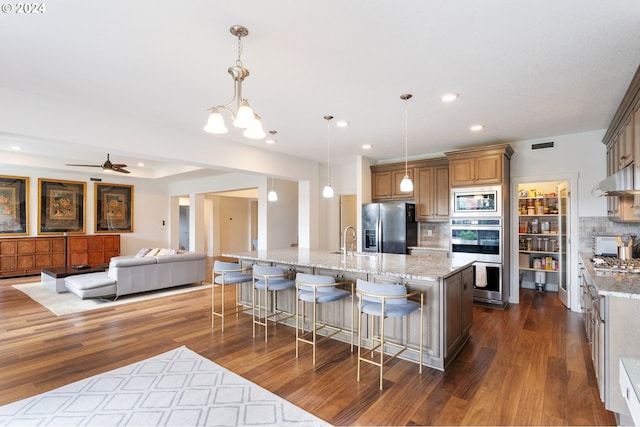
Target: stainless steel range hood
{"points": [[619, 184]]}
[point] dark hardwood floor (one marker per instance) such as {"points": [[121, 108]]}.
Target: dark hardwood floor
{"points": [[527, 365]]}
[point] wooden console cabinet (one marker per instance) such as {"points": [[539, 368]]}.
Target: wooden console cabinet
{"points": [[94, 250], [25, 256]]}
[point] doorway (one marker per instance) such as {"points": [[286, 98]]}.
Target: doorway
{"points": [[542, 257], [183, 228]]}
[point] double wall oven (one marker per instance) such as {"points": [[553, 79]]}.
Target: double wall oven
{"points": [[477, 235]]}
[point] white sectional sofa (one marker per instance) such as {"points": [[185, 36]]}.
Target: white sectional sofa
{"points": [[134, 274]]}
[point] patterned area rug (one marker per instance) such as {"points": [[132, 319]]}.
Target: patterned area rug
{"points": [[179, 388], [67, 303]]}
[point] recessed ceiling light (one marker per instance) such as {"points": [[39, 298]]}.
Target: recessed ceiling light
{"points": [[141, 164], [449, 97], [342, 123], [366, 146], [16, 148], [270, 141], [477, 128]]}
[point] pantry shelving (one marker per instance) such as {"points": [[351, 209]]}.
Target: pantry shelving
{"points": [[541, 238]]}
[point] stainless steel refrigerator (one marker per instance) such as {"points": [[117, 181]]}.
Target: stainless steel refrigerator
{"points": [[389, 227]]}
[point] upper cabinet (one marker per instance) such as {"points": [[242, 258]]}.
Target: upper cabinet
{"points": [[385, 181], [432, 190], [622, 139], [430, 186], [479, 166]]}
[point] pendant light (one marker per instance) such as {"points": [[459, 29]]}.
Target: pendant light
{"points": [[406, 185], [327, 192], [272, 196]]}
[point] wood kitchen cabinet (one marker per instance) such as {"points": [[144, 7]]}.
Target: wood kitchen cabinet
{"points": [[479, 166], [431, 189], [622, 140], [458, 290], [385, 182], [430, 186]]}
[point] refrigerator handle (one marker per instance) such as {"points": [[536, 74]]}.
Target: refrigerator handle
{"points": [[379, 233]]}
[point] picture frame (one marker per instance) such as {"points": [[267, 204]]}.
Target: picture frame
{"points": [[14, 205], [61, 206], [114, 208]]}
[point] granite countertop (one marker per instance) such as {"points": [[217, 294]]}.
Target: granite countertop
{"points": [[622, 285], [428, 248], [405, 266]]}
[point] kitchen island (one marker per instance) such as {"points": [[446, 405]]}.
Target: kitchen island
{"points": [[611, 303], [447, 289]]}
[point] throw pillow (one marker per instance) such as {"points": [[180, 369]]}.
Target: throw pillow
{"points": [[153, 252], [143, 252]]}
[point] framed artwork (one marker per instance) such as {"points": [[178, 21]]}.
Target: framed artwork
{"points": [[114, 208], [61, 206], [14, 208]]}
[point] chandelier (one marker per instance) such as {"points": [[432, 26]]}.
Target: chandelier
{"points": [[241, 112]]}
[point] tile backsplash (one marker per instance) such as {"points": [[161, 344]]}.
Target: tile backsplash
{"points": [[433, 234], [589, 226]]}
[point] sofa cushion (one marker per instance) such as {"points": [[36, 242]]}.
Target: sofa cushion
{"points": [[184, 256], [128, 261], [89, 280]]}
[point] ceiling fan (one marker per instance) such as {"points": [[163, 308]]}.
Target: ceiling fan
{"points": [[116, 167]]}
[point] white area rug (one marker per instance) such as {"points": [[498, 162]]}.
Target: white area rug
{"points": [[178, 388], [67, 303]]}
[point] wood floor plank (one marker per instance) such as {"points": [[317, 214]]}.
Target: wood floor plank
{"points": [[526, 365]]}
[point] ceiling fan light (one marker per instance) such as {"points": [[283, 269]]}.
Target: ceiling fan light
{"points": [[215, 123], [245, 116], [327, 192], [406, 185], [272, 196], [255, 130]]}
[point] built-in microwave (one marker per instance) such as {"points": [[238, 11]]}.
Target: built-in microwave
{"points": [[476, 201]]}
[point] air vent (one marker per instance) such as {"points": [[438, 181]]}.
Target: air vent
{"points": [[543, 145], [96, 179]]}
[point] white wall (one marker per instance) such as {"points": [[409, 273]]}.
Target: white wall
{"points": [[581, 153]]}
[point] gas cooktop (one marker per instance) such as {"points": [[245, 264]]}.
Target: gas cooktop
{"points": [[616, 265]]}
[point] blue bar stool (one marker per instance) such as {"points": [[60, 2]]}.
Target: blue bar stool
{"points": [[265, 280], [318, 289], [384, 300], [227, 273]]}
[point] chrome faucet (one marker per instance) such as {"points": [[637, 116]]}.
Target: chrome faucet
{"points": [[344, 240]]}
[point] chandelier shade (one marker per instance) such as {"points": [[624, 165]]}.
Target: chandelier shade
{"points": [[215, 123], [242, 115]]}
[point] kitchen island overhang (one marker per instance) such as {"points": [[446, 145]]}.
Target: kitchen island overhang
{"points": [[447, 288]]}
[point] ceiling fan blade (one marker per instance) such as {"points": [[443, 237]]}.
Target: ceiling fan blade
{"points": [[119, 169], [87, 166], [118, 165]]}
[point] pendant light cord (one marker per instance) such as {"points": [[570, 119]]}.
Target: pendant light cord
{"points": [[406, 169]]}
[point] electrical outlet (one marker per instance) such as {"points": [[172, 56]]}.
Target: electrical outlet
{"points": [[429, 232]]}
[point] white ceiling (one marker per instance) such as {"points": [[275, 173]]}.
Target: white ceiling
{"points": [[523, 69]]}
